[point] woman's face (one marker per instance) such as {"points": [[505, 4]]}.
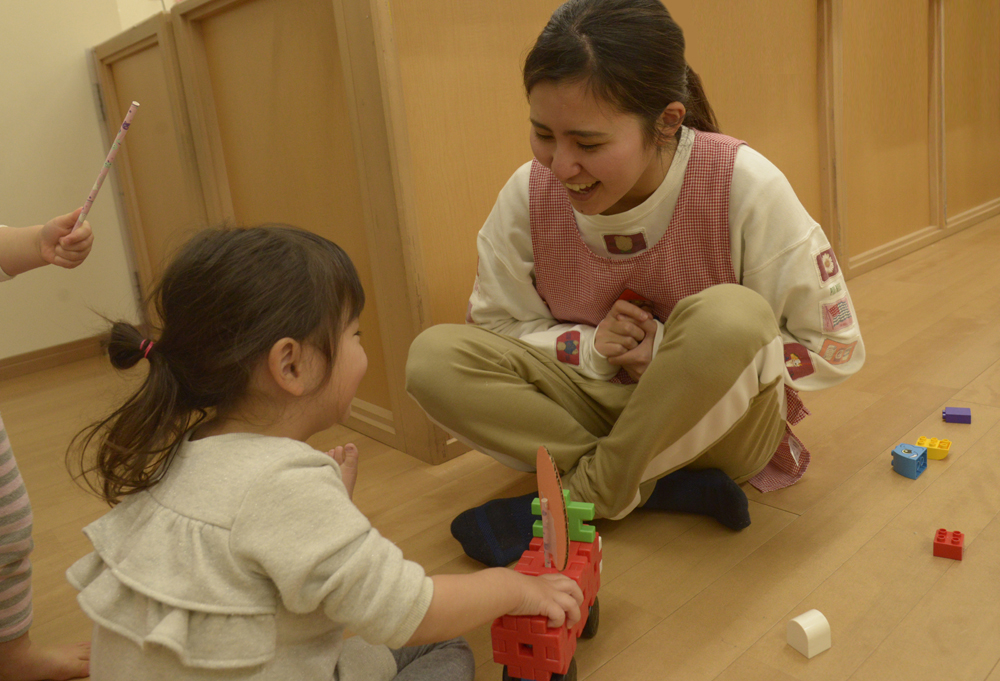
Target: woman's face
{"points": [[598, 153]]}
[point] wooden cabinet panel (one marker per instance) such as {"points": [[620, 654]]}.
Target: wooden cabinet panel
{"points": [[885, 122], [972, 104], [156, 165], [758, 61], [466, 125], [271, 73]]}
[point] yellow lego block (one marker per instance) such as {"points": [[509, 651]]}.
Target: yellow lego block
{"points": [[936, 449]]}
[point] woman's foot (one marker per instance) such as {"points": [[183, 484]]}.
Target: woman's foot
{"points": [[708, 491], [21, 660], [498, 532]]}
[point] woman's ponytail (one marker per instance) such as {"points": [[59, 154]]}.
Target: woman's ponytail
{"points": [[699, 112]]}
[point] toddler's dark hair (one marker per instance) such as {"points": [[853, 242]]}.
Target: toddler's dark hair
{"points": [[227, 297], [630, 53]]}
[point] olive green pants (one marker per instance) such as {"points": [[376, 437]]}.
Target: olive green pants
{"points": [[713, 397]]}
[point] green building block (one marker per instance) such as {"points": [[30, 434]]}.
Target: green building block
{"points": [[576, 513]]}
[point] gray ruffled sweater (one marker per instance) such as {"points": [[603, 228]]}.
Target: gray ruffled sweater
{"points": [[248, 560]]}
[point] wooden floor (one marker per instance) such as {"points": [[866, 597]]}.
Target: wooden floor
{"points": [[682, 597]]}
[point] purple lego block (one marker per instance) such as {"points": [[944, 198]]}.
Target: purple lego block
{"points": [[957, 415]]}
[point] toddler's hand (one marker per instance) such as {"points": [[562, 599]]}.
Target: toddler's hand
{"points": [[554, 595], [347, 458], [621, 330], [58, 246]]}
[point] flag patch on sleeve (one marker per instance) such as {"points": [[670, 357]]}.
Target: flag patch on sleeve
{"points": [[826, 264], [625, 244], [837, 353], [837, 315], [797, 361], [568, 348]]}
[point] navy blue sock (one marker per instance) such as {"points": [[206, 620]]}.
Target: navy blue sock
{"points": [[498, 532], [708, 491]]}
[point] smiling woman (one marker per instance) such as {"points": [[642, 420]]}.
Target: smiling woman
{"points": [[600, 155], [643, 286]]}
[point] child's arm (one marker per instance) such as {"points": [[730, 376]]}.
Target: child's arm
{"points": [[463, 602], [25, 248]]}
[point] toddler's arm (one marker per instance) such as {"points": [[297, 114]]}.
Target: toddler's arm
{"points": [[463, 602], [25, 248]]}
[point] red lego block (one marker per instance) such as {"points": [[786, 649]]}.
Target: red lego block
{"points": [[529, 648], [949, 544]]}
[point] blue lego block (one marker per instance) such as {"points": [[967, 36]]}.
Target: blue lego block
{"points": [[909, 460], [957, 415]]}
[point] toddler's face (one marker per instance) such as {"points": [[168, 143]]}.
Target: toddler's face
{"points": [[348, 370]]}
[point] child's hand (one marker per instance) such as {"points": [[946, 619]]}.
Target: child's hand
{"points": [[347, 458], [57, 246], [556, 596], [621, 330]]}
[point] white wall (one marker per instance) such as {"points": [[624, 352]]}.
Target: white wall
{"points": [[51, 150], [131, 12]]}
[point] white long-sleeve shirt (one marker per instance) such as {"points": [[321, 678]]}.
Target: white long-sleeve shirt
{"points": [[777, 250]]}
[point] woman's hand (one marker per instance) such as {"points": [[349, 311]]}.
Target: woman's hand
{"points": [[636, 361], [621, 330]]}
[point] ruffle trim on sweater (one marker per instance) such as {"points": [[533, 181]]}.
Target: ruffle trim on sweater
{"points": [[210, 640], [158, 577]]}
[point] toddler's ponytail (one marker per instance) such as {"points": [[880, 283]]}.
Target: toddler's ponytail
{"points": [[137, 439]]}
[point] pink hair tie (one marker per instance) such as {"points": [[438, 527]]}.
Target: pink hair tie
{"points": [[148, 347]]}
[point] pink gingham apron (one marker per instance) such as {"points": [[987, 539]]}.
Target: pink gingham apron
{"points": [[580, 286]]}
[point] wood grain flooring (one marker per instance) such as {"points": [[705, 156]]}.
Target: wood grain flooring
{"points": [[683, 598]]}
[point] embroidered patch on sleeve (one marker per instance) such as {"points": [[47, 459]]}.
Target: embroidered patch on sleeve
{"points": [[837, 315], [826, 263], [797, 360], [837, 353], [568, 348], [625, 244]]}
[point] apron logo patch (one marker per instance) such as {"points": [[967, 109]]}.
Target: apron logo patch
{"points": [[826, 263], [797, 361], [568, 348], [837, 353], [837, 315], [624, 244]]}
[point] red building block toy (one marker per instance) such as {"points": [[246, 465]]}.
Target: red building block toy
{"points": [[949, 544], [526, 646]]}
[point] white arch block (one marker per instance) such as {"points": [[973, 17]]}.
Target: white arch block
{"points": [[809, 633]]}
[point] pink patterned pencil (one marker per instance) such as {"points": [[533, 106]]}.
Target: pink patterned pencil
{"points": [[107, 164]]}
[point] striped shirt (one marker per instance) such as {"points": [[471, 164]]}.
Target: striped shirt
{"points": [[15, 545]]}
